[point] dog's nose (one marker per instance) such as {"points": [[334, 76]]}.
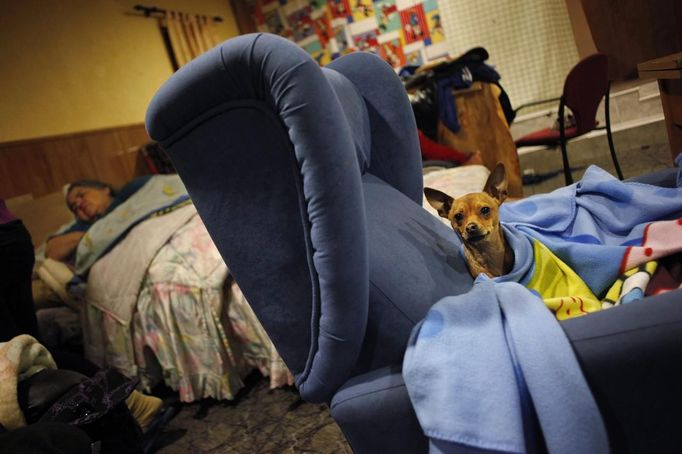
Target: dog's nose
{"points": [[472, 228]]}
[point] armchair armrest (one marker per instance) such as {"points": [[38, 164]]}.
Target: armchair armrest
{"points": [[378, 399]]}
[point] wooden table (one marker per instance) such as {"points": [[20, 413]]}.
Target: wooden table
{"points": [[484, 128], [668, 71]]}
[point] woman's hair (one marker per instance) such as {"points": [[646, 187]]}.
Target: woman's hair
{"points": [[91, 184]]}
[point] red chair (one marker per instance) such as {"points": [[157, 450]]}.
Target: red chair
{"points": [[585, 86]]}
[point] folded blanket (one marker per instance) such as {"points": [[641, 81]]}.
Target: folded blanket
{"points": [[478, 360], [20, 358], [601, 227], [547, 276]]}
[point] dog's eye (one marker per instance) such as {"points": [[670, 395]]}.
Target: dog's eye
{"points": [[459, 217], [485, 211]]}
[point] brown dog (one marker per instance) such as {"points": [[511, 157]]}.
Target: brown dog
{"points": [[475, 218]]}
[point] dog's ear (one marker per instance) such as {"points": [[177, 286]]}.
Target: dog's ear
{"points": [[439, 200], [496, 185]]}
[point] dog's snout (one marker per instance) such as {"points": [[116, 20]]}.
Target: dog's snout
{"points": [[472, 227]]}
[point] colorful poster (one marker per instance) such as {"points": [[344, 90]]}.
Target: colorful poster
{"points": [[414, 24], [387, 15], [320, 53], [316, 5], [273, 22], [301, 24], [343, 42], [367, 41], [362, 9], [392, 52], [433, 21], [414, 54], [323, 26], [340, 8], [402, 32]]}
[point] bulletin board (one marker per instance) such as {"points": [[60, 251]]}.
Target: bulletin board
{"points": [[402, 32]]}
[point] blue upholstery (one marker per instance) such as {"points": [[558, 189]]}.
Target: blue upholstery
{"points": [[309, 182]]}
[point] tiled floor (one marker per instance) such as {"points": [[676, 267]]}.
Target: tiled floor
{"points": [[259, 421], [640, 150]]}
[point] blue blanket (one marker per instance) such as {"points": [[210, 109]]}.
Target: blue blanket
{"points": [[478, 360], [472, 364], [593, 225]]}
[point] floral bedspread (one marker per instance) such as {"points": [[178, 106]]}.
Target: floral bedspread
{"points": [[191, 328]]}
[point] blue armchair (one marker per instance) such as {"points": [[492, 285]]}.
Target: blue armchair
{"points": [[309, 181]]}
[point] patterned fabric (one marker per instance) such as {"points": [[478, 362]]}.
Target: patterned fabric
{"points": [[586, 225], [187, 330], [630, 286], [562, 290], [20, 358]]}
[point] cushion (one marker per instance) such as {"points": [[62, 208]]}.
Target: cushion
{"points": [[547, 136]]}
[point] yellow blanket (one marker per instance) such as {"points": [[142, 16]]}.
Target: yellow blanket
{"points": [[562, 290]]}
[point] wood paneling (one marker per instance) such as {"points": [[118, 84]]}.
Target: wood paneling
{"points": [[633, 31], [42, 166], [581, 29]]}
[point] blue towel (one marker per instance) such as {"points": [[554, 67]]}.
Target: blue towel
{"points": [[473, 358]]}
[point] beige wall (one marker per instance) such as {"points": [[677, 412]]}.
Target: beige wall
{"points": [[78, 65], [530, 42]]}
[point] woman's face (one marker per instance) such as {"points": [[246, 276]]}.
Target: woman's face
{"points": [[88, 203]]}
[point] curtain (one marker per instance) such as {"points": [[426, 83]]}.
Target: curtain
{"points": [[187, 36]]}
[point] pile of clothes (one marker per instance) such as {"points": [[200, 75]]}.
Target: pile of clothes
{"points": [[432, 100]]}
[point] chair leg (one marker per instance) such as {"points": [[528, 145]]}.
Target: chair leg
{"points": [[609, 136], [562, 137]]}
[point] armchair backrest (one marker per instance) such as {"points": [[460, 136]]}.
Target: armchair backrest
{"points": [[584, 88], [272, 150]]}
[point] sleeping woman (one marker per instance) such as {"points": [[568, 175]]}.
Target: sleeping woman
{"points": [[88, 200], [157, 300]]}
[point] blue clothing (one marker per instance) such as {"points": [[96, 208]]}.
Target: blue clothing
{"points": [[459, 79]]}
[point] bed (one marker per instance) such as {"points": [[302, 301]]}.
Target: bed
{"points": [[161, 305]]}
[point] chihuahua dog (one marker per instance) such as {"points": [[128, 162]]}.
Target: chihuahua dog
{"points": [[475, 217]]}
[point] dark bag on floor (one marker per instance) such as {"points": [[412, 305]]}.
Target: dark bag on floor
{"points": [[97, 406]]}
